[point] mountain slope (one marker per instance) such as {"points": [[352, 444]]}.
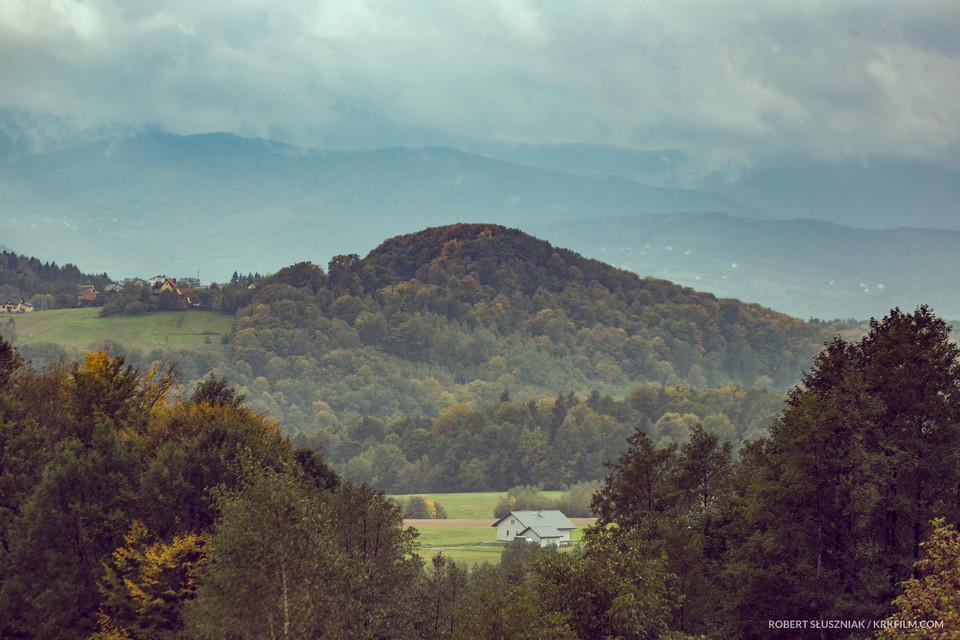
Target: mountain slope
{"points": [[462, 313], [806, 268], [139, 205], [176, 204]]}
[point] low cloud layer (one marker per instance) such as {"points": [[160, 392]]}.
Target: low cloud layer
{"points": [[731, 81]]}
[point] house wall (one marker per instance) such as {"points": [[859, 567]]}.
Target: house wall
{"points": [[509, 529]]}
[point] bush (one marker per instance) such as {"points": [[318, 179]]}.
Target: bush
{"points": [[574, 504], [522, 498], [420, 508]]}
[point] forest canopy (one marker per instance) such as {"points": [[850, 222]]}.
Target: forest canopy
{"points": [[130, 513]]}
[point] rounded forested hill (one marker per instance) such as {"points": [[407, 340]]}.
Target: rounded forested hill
{"points": [[462, 313], [528, 285]]}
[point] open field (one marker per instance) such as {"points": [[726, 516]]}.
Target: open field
{"points": [[83, 327], [470, 505], [468, 540], [467, 535]]}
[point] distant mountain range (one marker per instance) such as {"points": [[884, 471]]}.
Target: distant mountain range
{"points": [[807, 268], [212, 204]]}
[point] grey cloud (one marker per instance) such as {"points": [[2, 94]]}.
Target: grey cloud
{"points": [[730, 81]]}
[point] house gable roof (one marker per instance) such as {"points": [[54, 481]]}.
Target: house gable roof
{"points": [[543, 532], [535, 519]]}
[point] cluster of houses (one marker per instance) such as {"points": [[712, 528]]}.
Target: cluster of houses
{"points": [[88, 296]]}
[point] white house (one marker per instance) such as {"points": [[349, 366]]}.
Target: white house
{"points": [[543, 527]]}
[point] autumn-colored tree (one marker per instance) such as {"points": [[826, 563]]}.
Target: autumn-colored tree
{"points": [[929, 607], [146, 584]]}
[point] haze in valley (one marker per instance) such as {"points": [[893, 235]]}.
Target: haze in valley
{"points": [[546, 116]]}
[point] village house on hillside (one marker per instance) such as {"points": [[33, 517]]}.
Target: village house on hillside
{"points": [[543, 527], [159, 286], [16, 307]]}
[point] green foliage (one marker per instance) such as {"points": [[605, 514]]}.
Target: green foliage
{"points": [[933, 593], [441, 588], [673, 497], [523, 498], [314, 468], [841, 494], [217, 393], [26, 277], [88, 449], [419, 507], [460, 314], [507, 444], [271, 571], [291, 561], [574, 503], [609, 589], [65, 528], [495, 608]]}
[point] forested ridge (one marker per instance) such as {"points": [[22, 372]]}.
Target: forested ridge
{"points": [[463, 358], [474, 357], [455, 357], [128, 513]]}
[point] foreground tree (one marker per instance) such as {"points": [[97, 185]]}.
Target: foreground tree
{"points": [[833, 506], [268, 564], [609, 589], [933, 595], [288, 560]]}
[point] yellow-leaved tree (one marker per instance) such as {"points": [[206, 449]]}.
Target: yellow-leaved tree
{"points": [[146, 584]]}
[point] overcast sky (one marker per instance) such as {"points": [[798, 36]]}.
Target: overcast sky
{"points": [[733, 80]]}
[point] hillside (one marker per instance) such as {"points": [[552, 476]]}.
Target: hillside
{"points": [[806, 268], [455, 357], [191, 205], [465, 312], [451, 314]]}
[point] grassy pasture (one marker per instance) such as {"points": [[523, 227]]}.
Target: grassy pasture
{"points": [[469, 543], [83, 327], [467, 535], [470, 505]]}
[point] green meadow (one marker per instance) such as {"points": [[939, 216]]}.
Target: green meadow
{"points": [[82, 328], [466, 543], [470, 505]]}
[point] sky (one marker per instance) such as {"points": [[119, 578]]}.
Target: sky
{"points": [[732, 82]]}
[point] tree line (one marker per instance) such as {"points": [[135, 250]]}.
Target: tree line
{"points": [[43, 284], [826, 516], [553, 442]]}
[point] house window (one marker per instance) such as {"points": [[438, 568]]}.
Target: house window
{"points": [[508, 534], [512, 521]]}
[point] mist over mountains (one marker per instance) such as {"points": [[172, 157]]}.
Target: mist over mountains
{"points": [[211, 204]]}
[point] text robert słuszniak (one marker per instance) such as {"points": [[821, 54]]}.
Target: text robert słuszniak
{"points": [[855, 624]]}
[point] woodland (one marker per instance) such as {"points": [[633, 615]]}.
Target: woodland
{"points": [[128, 513], [475, 357], [136, 505], [741, 474]]}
